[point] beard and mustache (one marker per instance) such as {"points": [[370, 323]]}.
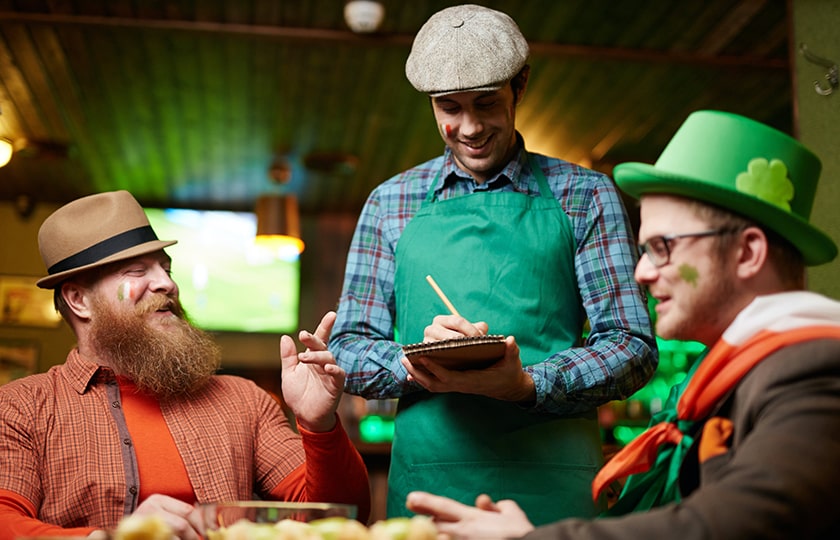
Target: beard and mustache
{"points": [[164, 359]]}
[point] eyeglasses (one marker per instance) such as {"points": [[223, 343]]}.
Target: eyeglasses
{"points": [[658, 248]]}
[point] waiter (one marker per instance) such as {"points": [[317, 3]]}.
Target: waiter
{"points": [[524, 245]]}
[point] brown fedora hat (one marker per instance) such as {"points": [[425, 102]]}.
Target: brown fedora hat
{"points": [[93, 231]]}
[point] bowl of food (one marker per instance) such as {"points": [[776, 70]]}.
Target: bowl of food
{"points": [[269, 519], [264, 520]]}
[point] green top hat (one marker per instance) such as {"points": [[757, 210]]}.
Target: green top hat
{"points": [[744, 166]]}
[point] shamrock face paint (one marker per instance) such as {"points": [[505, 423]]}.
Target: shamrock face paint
{"points": [[689, 274]]}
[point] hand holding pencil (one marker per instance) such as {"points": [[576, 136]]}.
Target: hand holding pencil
{"points": [[451, 326], [454, 342]]}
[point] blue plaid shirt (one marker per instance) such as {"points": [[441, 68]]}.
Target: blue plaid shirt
{"points": [[617, 358]]}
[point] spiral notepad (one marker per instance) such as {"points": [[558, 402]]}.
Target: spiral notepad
{"points": [[460, 353]]}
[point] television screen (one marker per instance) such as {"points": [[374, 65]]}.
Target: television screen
{"points": [[227, 282]]}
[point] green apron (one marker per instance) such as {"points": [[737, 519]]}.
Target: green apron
{"points": [[505, 258]]}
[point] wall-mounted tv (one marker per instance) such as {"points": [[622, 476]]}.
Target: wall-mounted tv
{"points": [[227, 282]]}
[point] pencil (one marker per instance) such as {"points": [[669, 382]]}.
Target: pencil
{"points": [[442, 296]]}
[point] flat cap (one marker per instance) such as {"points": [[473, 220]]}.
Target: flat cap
{"points": [[466, 48]]}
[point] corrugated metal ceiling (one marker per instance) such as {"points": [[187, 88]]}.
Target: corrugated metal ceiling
{"points": [[190, 103]]}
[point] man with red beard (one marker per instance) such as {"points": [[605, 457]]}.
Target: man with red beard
{"points": [[136, 421]]}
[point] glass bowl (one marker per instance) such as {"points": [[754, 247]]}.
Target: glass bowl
{"points": [[225, 514]]}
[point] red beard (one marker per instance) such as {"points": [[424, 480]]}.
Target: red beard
{"points": [[166, 358]]}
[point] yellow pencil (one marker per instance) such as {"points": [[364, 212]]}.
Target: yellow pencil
{"points": [[442, 296]]}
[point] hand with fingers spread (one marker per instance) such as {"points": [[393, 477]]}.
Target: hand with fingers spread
{"points": [[312, 383], [486, 520]]}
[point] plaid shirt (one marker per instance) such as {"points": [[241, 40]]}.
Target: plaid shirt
{"points": [[619, 355], [66, 450]]}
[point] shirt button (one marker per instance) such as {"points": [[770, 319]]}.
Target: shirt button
{"points": [[115, 404], [127, 442], [133, 490]]}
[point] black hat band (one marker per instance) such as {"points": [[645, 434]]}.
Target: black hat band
{"points": [[105, 248]]}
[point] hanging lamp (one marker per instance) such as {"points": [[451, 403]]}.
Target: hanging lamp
{"points": [[278, 224]]}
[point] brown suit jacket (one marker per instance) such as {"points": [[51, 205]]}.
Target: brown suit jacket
{"points": [[778, 478]]}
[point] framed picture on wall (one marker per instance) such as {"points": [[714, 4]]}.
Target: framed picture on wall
{"points": [[18, 358], [22, 303]]}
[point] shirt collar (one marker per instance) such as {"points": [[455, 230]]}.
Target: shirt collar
{"points": [[83, 373], [512, 173]]}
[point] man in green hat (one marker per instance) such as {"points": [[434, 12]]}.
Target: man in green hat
{"points": [[525, 246], [748, 447]]}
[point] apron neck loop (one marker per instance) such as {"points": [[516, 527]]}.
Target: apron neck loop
{"points": [[545, 191]]}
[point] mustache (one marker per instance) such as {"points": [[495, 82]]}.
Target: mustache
{"points": [[160, 302]]}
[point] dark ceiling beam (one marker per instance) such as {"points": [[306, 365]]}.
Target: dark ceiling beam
{"points": [[346, 37]]}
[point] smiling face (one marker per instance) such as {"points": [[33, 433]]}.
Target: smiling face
{"points": [[696, 292], [136, 325], [479, 129], [141, 286]]}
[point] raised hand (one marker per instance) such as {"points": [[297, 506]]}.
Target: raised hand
{"points": [[312, 383]]}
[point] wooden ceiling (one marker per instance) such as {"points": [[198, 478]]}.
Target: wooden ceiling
{"points": [[191, 103]]}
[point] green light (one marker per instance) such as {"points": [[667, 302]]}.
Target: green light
{"points": [[672, 346], [625, 434], [677, 378], [376, 429], [660, 387]]}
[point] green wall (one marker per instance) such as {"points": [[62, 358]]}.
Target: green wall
{"points": [[817, 24]]}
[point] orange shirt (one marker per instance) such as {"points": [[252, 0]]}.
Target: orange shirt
{"points": [[69, 459], [159, 464]]}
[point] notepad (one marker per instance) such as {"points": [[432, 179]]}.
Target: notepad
{"points": [[460, 353]]}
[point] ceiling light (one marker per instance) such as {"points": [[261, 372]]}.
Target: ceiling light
{"points": [[363, 16], [6, 151], [278, 225]]}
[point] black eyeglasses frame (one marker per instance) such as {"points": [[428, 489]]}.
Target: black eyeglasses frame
{"points": [[665, 240]]}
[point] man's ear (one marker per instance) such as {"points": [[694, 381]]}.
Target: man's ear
{"points": [[752, 252], [77, 298]]}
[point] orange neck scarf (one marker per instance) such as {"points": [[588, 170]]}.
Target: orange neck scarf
{"points": [[725, 365]]}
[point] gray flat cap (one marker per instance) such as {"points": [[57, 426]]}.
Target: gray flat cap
{"points": [[466, 48]]}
